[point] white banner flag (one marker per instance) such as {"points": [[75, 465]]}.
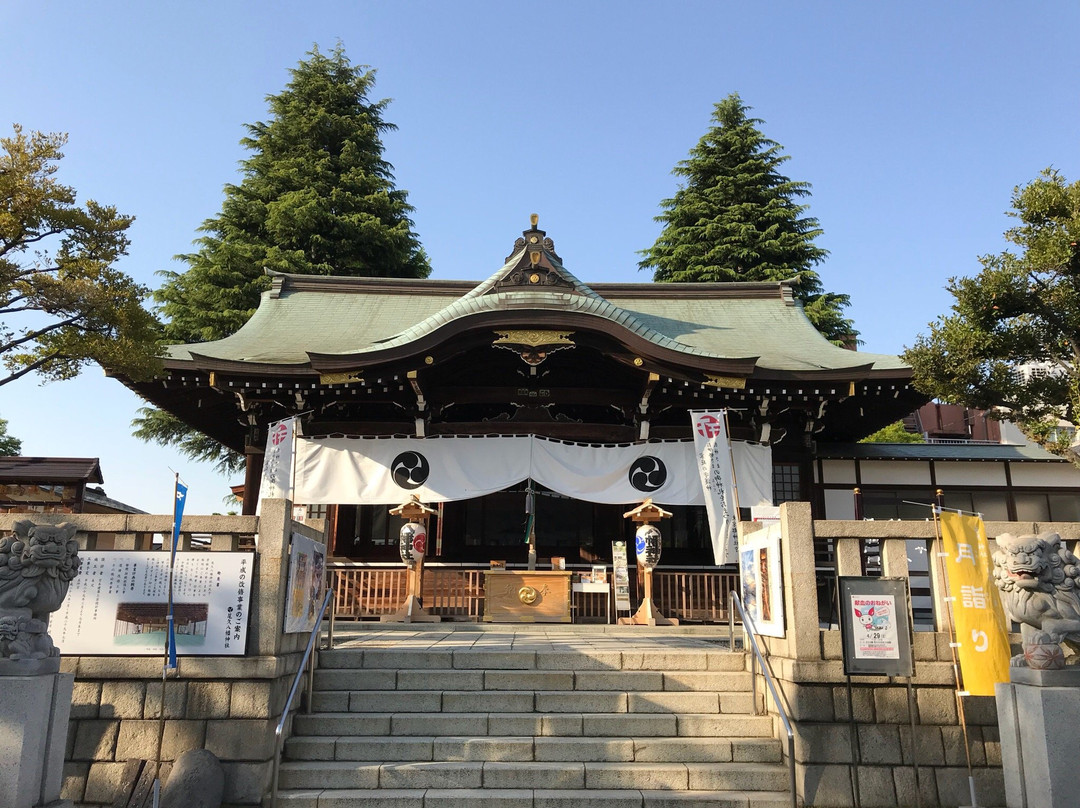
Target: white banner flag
{"points": [[278, 461], [717, 482]]}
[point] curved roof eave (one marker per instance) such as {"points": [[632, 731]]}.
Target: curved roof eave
{"points": [[561, 319]]}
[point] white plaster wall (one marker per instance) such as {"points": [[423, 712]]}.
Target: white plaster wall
{"points": [[839, 504], [893, 472], [961, 473], [838, 471], [1047, 475]]}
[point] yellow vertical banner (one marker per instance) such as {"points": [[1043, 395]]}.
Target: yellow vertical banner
{"points": [[982, 633]]}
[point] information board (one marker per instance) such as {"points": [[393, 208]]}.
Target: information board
{"points": [[118, 604], [875, 626], [621, 577]]}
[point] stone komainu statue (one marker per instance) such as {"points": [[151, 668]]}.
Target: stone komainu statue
{"points": [[1038, 576], [37, 565]]}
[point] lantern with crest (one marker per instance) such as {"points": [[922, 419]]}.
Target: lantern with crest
{"points": [[647, 543], [412, 545]]}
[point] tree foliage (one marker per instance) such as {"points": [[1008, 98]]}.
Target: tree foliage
{"points": [[63, 304], [10, 446], [737, 218], [316, 197], [894, 433], [1011, 344], [158, 426]]}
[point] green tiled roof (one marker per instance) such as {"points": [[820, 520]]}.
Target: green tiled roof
{"points": [[319, 315]]}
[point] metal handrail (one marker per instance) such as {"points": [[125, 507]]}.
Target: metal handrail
{"points": [[751, 632], [280, 731]]}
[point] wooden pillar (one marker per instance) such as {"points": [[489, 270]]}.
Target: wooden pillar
{"points": [[252, 480]]}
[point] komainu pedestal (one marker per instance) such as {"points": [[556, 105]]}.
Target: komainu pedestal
{"points": [[1037, 712], [37, 565]]}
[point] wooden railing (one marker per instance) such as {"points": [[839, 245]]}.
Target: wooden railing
{"points": [[457, 593]]}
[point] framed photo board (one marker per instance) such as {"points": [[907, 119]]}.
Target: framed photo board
{"points": [[760, 580], [875, 626], [307, 584]]}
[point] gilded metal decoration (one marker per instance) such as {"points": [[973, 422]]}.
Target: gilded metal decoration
{"points": [[528, 595], [534, 338], [340, 378], [734, 382], [533, 346]]}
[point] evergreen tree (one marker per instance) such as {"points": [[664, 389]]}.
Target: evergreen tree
{"points": [[736, 218], [316, 198], [10, 446]]}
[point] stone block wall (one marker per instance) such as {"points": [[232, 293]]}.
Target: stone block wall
{"points": [[807, 664], [229, 706], [816, 696]]}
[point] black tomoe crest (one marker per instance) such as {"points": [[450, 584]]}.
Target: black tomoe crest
{"points": [[410, 470], [648, 474]]}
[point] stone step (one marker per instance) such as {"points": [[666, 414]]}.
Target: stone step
{"points": [[472, 659], [628, 725], [557, 775], [438, 679], [557, 701], [527, 748], [526, 798]]}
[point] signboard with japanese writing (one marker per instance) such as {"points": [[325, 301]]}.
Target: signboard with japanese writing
{"points": [[875, 626], [118, 604], [307, 584], [621, 576], [982, 636]]}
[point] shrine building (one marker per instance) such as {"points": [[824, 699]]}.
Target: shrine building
{"points": [[600, 379]]}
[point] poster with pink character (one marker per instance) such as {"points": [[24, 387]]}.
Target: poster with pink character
{"points": [[874, 627]]}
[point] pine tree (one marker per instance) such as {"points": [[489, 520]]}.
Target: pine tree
{"points": [[736, 218], [317, 197]]}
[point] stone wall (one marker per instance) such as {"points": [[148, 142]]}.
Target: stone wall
{"points": [[228, 705], [808, 666]]}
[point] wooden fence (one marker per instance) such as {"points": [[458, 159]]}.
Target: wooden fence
{"points": [[457, 593]]}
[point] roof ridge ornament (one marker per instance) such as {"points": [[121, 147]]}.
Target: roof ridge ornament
{"points": [[538, 265]]}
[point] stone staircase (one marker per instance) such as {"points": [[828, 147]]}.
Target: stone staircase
{"points": [[534, 728]]}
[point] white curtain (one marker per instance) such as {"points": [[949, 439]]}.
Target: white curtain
{"points": [[387, 470]]}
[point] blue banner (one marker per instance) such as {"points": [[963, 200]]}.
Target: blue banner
{"points": [[178, 515]]}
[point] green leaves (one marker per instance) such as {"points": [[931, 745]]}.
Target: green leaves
{"points": [[62, 302], [1012, 341], [736, 218], [317, 197]]}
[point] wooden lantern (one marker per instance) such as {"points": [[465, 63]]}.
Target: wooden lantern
{"points": [[647, 544], [413, 546]]}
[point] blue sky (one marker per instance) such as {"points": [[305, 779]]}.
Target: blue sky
{"points": [[912, 122]]}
